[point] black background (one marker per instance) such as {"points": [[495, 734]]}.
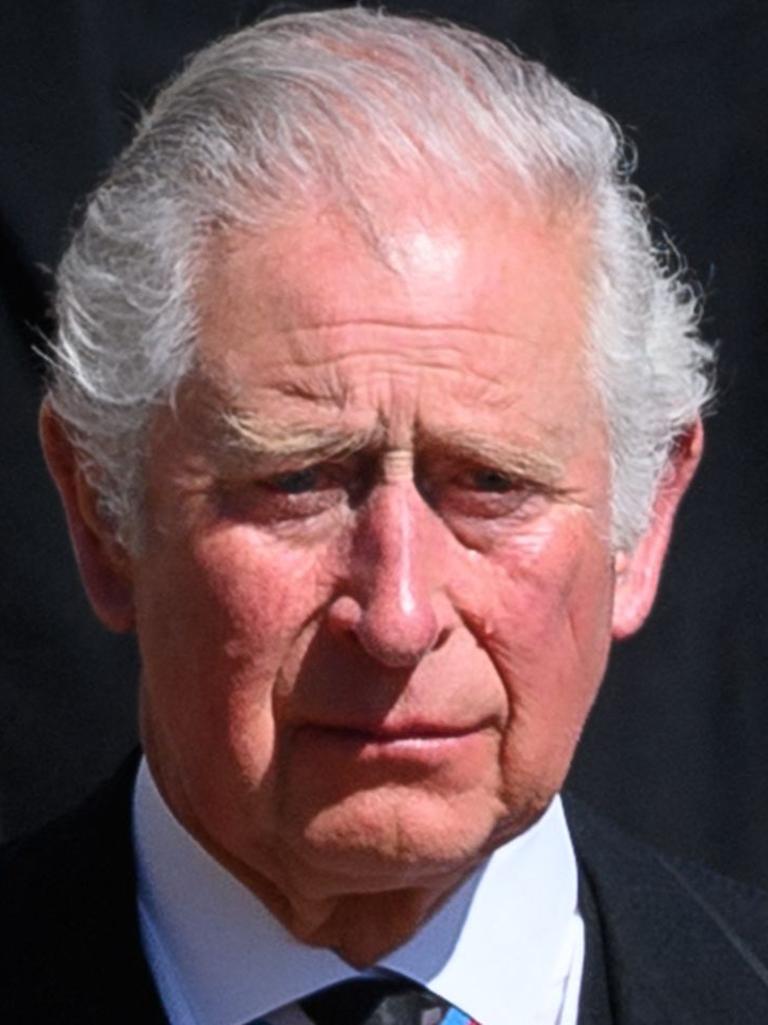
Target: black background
{"points": [[676, 747]]}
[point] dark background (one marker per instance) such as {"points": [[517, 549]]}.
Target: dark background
{"points": [[676, 747]]}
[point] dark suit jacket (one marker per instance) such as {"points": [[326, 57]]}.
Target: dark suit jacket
{"points": [[667, 944]]}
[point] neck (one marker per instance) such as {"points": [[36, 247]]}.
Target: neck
{"points": [[362, 928]]}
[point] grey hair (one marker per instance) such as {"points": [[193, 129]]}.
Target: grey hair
{"points": [[258, 122]]}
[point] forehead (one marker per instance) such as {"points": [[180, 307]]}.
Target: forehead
{"points": [[480, 305]]}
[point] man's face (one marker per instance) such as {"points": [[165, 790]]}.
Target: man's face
{"points": [[375, 597], [376, 589]]}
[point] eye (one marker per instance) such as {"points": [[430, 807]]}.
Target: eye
{"points": [[293, 495], [297, 482], [489, 480], [480, 492]]}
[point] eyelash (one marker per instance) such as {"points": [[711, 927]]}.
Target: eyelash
{"points": [[500, 482], [471, 493], [284, 480]]}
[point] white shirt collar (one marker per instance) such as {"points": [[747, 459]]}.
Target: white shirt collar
{"points": [[507, 945]]}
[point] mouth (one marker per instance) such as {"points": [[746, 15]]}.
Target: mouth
{"points": [[410, 731], [416, 739]]}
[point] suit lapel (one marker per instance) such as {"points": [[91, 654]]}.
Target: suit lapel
{"points": [[665, 946], [122, 980], [595, 1002], [71, 899]]}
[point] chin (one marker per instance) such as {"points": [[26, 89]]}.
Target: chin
{"points": [[395, 839]]}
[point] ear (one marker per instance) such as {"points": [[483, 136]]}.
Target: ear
{"points": [[105, 566], [638, 571]]}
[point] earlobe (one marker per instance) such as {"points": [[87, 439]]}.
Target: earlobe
{"points": [[638, 571], [105, 566]]}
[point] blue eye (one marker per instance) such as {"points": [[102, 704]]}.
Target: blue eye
{"points": [[297, 482]]}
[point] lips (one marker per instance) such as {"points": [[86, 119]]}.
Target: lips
{"points": [[411, 731], [394, 733], [347, 756]]}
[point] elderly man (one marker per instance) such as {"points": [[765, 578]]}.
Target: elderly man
{"points": [[371, 407]]}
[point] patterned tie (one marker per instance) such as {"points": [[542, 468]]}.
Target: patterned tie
{"points": [[380, 1001]]}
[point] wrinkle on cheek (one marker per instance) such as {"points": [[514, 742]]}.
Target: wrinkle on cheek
{"points": [[519, 596], [587, 657], [535, 608], [498, 573], [263, 589]]}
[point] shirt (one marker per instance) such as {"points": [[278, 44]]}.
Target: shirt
{"points": [[507, 946]]}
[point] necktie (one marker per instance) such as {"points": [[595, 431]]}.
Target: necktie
{"points": [[380, 1001]]}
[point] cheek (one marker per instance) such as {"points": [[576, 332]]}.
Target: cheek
{"points": [[223, 620], [266, 594], [542, 609]]}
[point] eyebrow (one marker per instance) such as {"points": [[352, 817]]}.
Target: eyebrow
{"points": [[506, 457], [248, 436]]}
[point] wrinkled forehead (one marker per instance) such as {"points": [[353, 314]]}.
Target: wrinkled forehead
{"points": [[483, 303], [496, 266]]}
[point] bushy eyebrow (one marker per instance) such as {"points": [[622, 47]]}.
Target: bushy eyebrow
{"points": [[505, 457], [249, 439], [249, 436]]}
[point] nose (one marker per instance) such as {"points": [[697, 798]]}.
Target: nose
{"points": [[393, 604]]}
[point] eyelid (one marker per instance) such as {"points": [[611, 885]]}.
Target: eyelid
{"points": [[286, 467], [469, 473], [350, 475], [512, 479]]}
